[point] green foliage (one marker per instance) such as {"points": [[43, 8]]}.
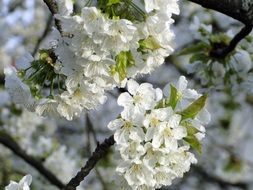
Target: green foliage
{"points": [[148, 44], [121, 9], [124, 60], [191, 138], [201, 51], [171, 101], [193, 109], [174, 96], [112, 2], [220, 38], [194, 143], [201, 57], [42, 73], [198, 47]]}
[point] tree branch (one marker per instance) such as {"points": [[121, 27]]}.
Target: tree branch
{"points": [[10, 143], [99, 152], [90, 130], [53, 8], [1, 79], [241, 10], [223, 52]]}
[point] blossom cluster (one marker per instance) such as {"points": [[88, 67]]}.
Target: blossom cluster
{"points": [[154, 135], [98, 49]]}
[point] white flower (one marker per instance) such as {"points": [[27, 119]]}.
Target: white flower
{"points": [[136, 174], [19, 92], [132, 150], [168, 133], [65, 7], [93, 21], [167, 7], [47, 107], [119, 36], [185, 94], [242, 61], [156, 116], [152, 145], [25, 61], [62, 163], [150, 5], [142, 97], [125, 130], [24, 184], [85, 62]]}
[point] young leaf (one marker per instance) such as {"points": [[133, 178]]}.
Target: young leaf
{"points": [[189, 127], [199, 47], [161, 104], [174, 97], [193, 109], [171, 101], [149, 44], [194, 143], [112, 2], [123, 60], [199, 57]]}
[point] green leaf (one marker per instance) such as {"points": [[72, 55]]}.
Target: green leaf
{"points": [[193, 109], [220, 38], [149, 44], [112, 2], [191, 138], [174, 96], [199, 47], [161, 104], [124, 60], [189, 127], [171, 101], [194, 143], [199, 57]]}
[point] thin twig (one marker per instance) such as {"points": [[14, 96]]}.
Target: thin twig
{"points": [[91, 131], [10, 143], [99, 153], [53, 8], [2, 79], [223, 52]]}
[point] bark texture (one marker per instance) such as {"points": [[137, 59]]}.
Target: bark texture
{"points": [[241, 10]]}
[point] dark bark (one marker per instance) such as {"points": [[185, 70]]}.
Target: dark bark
{"points": [[52, 6], [223, 52], [241, 10], [99, 153]]}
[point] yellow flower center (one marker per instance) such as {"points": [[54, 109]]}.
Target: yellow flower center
{"points": [[154, 121], [137, 99]]}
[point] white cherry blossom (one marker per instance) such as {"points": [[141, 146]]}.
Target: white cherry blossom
{"points": [[23, 184]]}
